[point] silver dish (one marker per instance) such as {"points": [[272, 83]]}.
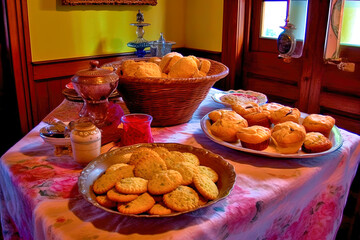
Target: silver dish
{"points": [[335, 138], [98, 166], [55, 139]]}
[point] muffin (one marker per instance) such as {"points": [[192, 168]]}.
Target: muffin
{"points": [[285, 114], [216, 114], [319, 123], [271, 107], [227, 126], [254, 137], [316, 142], [258, 118], [288, 136], [246, 108]]}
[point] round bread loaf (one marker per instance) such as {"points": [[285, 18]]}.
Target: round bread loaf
{"points": [[288, 136], [254, 137], [169, 60], [185, 67], [319, 123], [316, 142]]}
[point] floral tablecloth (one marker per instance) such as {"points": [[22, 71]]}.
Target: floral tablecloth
{"points": [[271, 199]]}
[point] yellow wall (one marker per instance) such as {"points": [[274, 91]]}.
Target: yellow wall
{"points": [[60, 32], [203, 24]]}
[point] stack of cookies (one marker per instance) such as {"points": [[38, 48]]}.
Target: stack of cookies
{"points": [[258, 126], [156, 181]]}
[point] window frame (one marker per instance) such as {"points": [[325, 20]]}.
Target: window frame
{"points": [[259, 44]]}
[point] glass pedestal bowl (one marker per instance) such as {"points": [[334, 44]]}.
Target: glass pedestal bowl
{"points": [[95, 85]]}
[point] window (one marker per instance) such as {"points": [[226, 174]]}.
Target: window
{"points": [[274, 16], [350, 34]]}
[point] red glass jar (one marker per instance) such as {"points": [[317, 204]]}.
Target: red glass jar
{"points": [[137, 128]]}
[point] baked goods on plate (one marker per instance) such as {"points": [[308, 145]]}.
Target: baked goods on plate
{"points": [[271, 151], [166, 193], [316, 142], [285, 114], [228, 125], [319, 123], [254, 137], [253, 113], [288, 137]]}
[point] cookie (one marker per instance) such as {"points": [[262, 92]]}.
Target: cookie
{"points": [[182, 199], [206, 187], [174, 157], [132, 185], [120, 158], [164, 182], [107, 181], [161, 151], [187, 171], [124, 158], [115, 166], [104, 201], [142, 153], [148, 167], [159, 209], [141, 204], [115, 196], [208, 172], [191, 158]]}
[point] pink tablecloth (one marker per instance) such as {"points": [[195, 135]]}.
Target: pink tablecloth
{"points": [[271, 199]]}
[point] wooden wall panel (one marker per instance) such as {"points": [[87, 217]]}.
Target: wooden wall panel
{"points": [[274, 88], [346, 104], [68, 67], [269, 65], [41, 101], [334, 81]]}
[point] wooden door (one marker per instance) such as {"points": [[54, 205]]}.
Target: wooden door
{"points": [[307, 82]]}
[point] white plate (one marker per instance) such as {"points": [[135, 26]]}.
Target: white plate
{"points": [[247, 96], [335, 138]]}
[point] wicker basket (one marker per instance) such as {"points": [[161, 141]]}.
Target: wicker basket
{"points": [[169, 101]]}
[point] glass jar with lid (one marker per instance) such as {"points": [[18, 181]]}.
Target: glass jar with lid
{"points": [[95, 85]]}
